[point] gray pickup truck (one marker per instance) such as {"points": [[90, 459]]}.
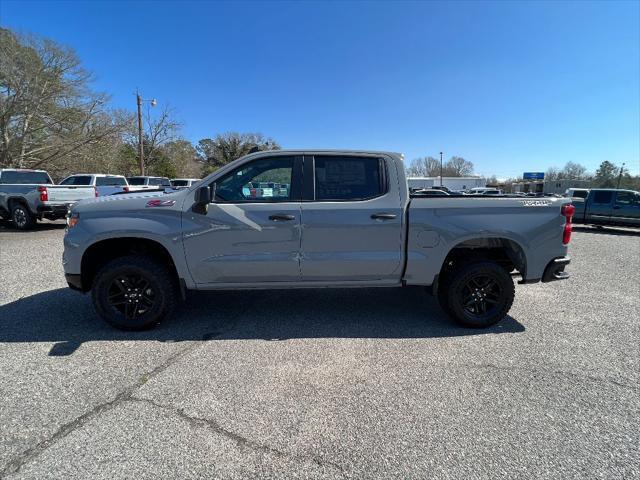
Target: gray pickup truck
{"points": [[608, 206], [27, 196], [336, 219]]}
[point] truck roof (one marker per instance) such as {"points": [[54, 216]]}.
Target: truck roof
{"points": [[21, 170], [312, 151]]}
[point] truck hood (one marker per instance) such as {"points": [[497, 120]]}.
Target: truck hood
{"points": [[129, 201]]}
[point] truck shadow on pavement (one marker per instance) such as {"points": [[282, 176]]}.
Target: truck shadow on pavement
{"points": [[67, 318]]}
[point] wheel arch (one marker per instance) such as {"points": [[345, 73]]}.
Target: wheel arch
{"points": [[103, 251], [505, 251]]}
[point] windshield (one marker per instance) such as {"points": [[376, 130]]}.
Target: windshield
{"points": [[136, 180], [24, 178], [180, 183], [111, 181]]}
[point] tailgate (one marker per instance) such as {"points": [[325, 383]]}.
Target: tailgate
{"points": [[69, 194]]}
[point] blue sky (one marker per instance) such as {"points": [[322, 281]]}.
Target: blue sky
{"points": [[511, 86]]}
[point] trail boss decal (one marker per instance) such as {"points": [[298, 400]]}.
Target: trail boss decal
{"points": [[535, 203]]}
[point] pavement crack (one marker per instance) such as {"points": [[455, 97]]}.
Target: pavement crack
{"points": [[557, 373], [241, 441], [14, 465]]}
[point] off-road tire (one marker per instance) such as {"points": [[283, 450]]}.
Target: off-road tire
{"points": [[460, 289], [109, 288]]}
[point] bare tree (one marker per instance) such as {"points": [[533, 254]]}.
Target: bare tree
{"points": [[424, 167], [229, 146], [47, 111], [457, 167]]}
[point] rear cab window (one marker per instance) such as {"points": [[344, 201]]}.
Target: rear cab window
{"points": [[111, 181], [158, 181], [9, 177], [348, 178], [136, 180]]}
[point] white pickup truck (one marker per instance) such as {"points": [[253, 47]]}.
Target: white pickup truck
{"points": [[30, 195]]}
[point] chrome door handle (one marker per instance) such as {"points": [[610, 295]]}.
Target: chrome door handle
{"points": [[281, 217], [383, 216]]}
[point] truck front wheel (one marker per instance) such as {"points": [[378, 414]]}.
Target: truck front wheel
{"points": [[478, 294], [134, 293]]}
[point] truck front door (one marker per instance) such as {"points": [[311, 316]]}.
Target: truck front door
{"points": [[248, 235], [352, 220], [626, 208]]}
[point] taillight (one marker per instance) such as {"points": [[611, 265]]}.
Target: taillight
{"points": [[125, 189], [567, 211], [95, 192], [44, 194]]}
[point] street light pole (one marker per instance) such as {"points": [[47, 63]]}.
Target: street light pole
{"points": [[440, 168], [140, 145], [620, 176]]}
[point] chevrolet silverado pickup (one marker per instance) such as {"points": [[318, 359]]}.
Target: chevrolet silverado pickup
{"points": [[30, 195], [608, 206], [337, 219]]}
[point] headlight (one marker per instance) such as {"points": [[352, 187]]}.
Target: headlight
{"points": [[72, 219]]}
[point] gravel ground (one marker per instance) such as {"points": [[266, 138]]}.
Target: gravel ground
{"points": [[371, 383]]}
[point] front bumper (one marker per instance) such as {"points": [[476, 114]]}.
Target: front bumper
{"points": [[555, 270]]}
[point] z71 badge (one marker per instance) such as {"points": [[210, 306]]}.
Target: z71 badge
{"points": [[535, 203]]}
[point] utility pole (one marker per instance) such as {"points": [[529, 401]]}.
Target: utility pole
{"points": [[139, 101], [140, 145], [440, 168], [620, 176]]}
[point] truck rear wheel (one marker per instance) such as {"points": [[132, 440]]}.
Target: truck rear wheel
{"points": [[22, 217], [134, 293], [478, 294]]}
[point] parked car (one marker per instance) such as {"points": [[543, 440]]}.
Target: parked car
{"points": [[430, 192], [27, 196], [608, 206], [103, 183], [147, 183], [179, 183], [138, 255], [485, 191], [576, 192]]}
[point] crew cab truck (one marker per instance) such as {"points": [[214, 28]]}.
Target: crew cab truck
{"points": [[345, 220], [30, 195], [608, 206], [148, 183], [104, 184]]}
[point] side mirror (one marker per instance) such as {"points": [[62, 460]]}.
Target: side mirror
{"points": [[202, 199]]}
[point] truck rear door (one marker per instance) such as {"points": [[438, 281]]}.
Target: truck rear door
{"points": [[599, 206], [352, 220], [72, 189]]}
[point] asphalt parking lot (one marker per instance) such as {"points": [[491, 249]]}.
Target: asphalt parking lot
{"points": [[371, 383]]}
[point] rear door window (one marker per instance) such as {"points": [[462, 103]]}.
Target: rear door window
{"points": [[77, 180], [603, 197], [348, 178]]}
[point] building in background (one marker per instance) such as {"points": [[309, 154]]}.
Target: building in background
{"points": [[452, 183], [548, 186]]}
